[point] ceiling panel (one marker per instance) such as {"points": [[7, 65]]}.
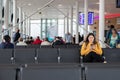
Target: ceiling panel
{"points": [[64, 6]]}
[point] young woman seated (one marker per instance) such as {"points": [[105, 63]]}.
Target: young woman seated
{"points": [[91, 50]]}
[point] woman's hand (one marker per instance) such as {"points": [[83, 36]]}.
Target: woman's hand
{"points": [[93, 47]]}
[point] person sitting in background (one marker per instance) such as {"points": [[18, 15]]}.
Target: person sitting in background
{"points": [[6, 42], [91, 50], [61, 39], [113, 38], [57, 41], [27, 40], [45, 42], [37, 41], [21, 43], [31, 40]]}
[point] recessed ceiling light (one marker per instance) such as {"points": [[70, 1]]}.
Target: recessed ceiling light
{"points": [[60, 5], [97, 3], [29, 4], [38, 8], [24, 4]]}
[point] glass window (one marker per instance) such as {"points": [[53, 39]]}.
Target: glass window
{"points": [[49, 21], [54, 21], [43, 34], [48, 25], [43, 27], [61, 27], [35, 30], [36, 21], [43, 20], [60, 21]]}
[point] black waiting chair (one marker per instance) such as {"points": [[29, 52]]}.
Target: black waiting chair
{"points": [[20, 47], [69, 55], [7, 73], [112, 55], [46, 46], [6, 56], [23, 56], [73, 46], [33, 46], [59, 46], [47, 55]]}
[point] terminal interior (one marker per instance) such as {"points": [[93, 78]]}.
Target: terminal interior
{"points": [[51, 20]]}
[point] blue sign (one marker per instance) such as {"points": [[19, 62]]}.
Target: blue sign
{"points": [[90, 18], [81, 18]]}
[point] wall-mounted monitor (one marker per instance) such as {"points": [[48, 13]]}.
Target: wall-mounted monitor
{"points": [[117, 3], [81, 18], [90, 18]]}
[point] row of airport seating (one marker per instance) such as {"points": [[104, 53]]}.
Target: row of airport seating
{"points": [[40, 72], [41, 55], [94, 71], [99, 71], [50, 46], [50, 55]]}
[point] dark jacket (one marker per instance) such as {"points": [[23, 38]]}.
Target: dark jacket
{"points": [[16, 36], [58, 42], [5, 45]]}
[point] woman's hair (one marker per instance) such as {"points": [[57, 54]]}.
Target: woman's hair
{"points": [[115, 31], [31, 37], [7, 38], [112, 26], [87, 41], [46, 39], [38, 37], [20, 39]]}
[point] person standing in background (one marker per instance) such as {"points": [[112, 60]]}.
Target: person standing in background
{"points": [[109, 32], [80, 37], [113, 38], [68, 38], [16, 36]]}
